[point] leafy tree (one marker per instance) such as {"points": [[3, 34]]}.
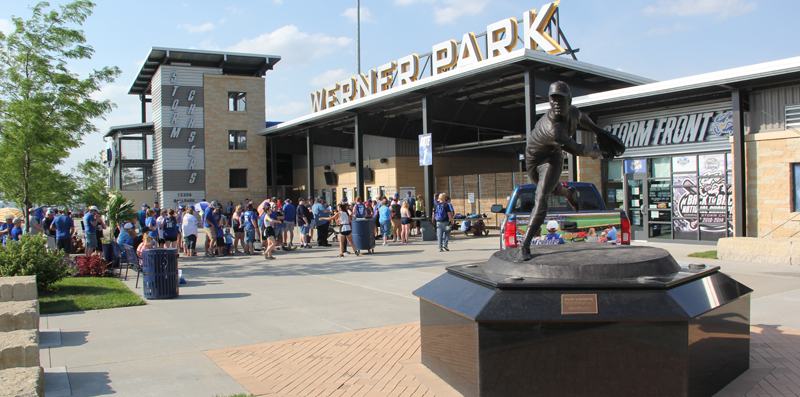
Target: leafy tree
{"points": [[45, 110], [90, 177]]}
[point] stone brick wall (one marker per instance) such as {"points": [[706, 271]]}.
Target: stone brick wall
{"points": [[218, 121], [769, 185], [20, 373]]}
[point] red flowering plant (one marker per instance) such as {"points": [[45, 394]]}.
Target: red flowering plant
{"points": [[88, 266]]}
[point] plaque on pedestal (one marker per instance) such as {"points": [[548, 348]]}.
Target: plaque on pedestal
{"points": [[585, 320]]}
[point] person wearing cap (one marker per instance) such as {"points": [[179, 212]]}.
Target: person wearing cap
{"points": [[312, 224], [442, 214], [550, 137], [16, 231], [303, 222], [396, 220], [142, 217], [35, 221], [319, 211], [553, 237], [64, 226], [46, 223], [125, 235], [289, 216], [5, 228], [210, 224], [90, 227]]}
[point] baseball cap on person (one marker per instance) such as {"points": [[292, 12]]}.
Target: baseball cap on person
{"points": [[128, 226], [344, 200], [397, 194], [17, 220], [93, 208], [552, 225], [408, 192], [144, 205]]}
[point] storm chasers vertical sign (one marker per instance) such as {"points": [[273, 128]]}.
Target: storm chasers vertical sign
{"points": [[178, 99], [425, 150]]}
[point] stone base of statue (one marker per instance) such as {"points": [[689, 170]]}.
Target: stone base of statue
{"points": [[585, 319]]}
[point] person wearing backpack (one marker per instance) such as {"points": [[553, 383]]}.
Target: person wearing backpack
{"points": [[443, 216]]}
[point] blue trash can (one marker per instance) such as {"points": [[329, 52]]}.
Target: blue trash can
{"points": [[160, 273], [364, 234]]}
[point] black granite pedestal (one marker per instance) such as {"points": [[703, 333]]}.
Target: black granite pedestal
{"points": [[585, 321]]}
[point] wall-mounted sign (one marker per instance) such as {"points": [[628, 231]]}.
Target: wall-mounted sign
{"points": [[694, 127], [501, 38]]}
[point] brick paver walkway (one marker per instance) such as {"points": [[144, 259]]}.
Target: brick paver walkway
{"points": [[386, 362]]}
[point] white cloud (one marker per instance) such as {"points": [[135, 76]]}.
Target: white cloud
{"points": [[667, 30], [295, 48], [221, 21], [409, 2], [351, 16], [6, 26], [197, 28], [721, 8], [287, 111], [456, 9], [330, 77], [235, 10]]}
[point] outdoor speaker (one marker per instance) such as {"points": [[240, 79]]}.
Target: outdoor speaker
{"points": [[330, 178], [367, 175]]}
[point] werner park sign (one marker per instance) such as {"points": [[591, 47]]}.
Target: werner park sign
{"points": [[501, 38]]}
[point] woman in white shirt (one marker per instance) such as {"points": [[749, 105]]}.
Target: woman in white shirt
{"points": [[346, 231], [190, 232]]}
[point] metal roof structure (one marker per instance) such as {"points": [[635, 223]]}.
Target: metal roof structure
{"points": [[496, 82], [707, 86], [231, 63], [129, 129]]}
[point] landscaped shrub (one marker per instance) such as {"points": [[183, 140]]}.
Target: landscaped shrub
{"points": [[29, 257], [88, 266]]}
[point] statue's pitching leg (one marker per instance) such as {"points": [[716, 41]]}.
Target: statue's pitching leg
{"points": [[545, 176]]}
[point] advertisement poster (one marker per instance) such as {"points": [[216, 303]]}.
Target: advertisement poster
{"points": [[620, 195], [684, 164], [425, 150], [714, 196], [684, 199], [612, 195], [635, 166]]}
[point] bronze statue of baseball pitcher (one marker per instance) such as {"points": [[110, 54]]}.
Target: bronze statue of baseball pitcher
{"points": [[552, 135]]}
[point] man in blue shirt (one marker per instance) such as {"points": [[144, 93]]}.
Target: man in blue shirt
{"points": [[142, 217], [289, 213], [17, 230], [5, 228], [411, 202], [320, 211], [90, 227], [210, 223], [64, 226]]}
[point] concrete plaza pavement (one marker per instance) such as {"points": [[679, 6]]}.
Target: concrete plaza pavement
{"points": [[158, 349]]}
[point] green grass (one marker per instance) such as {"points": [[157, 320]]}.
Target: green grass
{"points": [[86, 293], [704, 254]]}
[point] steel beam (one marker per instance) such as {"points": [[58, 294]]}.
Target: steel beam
{"points": [[273, 165], [530, 100], [309, 163], [427, 128], [358, 146], [739, 168]]}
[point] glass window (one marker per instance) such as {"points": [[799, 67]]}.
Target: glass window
{"points": [[237, 140], [138, 178], [614, 170], [659, 167], [796, 187], [236, 101], [238, 178], [149, 141], [131, 149], [712, 165]]}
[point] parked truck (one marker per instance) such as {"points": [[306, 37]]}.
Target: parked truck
{"points": [[573, 226]]}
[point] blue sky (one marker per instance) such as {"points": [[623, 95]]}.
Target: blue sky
{"points": [[659, 39]]}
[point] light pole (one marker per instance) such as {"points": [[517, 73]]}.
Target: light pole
{"points": [[358, 34]]}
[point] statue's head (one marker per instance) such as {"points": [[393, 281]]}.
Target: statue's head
{"points": [[560, 98]]}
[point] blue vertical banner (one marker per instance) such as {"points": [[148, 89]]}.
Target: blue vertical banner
{"points": [[425, 150]]}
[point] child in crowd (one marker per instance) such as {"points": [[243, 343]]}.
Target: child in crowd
{"points": [[228, 242], [147, 243], [592, 236]]}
